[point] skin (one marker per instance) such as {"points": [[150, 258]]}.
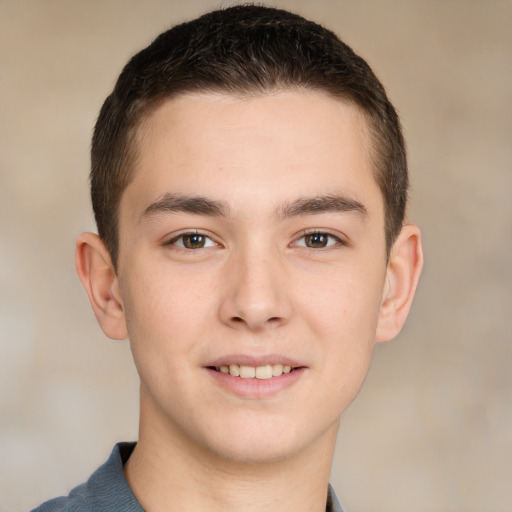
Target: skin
{"points": [[255, 285]]}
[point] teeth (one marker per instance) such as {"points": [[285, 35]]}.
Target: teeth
{"points": [[259, 372], [264, 372], [247, 372], [277, 370]]}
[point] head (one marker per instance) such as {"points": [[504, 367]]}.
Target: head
{"points": [[249, 180], [242, 50]]}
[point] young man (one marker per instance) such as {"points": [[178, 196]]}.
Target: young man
{"points": [[249, 183]]}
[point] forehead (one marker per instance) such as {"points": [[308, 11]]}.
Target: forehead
{"points": [[259, 147]]}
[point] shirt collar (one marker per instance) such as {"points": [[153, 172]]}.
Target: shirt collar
{"points": [[333, 505], [112, 472]]}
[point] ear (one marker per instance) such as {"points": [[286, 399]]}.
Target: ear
{"points": [[95, 270], [402, 275]]}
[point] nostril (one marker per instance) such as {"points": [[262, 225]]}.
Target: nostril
{"points": [[239, 320]]}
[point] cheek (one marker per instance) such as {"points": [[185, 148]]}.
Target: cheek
{"points": [[162, 331], [165, 318], [164, 298], [342, 311], [343, 301]]}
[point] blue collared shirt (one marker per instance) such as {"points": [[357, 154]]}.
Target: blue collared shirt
{"points": [[108, 491]]}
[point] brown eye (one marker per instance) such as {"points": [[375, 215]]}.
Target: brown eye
{"points": [[316, 240], [194, 241]]}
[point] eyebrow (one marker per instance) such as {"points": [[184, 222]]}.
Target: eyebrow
{"points": [[322, 204], [303, 206], [188, 204]]}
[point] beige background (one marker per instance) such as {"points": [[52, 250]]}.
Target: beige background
{"points": [[432, 428]]}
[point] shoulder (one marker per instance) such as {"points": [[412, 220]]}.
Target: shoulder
{"points": [[106, 489], [76, 501]]}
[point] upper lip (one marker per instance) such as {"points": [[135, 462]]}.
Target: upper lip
{"points": [[255, 361]]}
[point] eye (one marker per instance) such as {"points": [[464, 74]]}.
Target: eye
{"points": [[318, 240], [192, 241]]}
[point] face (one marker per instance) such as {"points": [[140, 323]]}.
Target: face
{"points": [[252, 267]]}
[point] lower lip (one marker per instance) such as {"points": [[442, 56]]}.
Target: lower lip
{"points": [[256, 388]]}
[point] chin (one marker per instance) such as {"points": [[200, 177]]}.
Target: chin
{"points": [[264, 443], [255, 452]]}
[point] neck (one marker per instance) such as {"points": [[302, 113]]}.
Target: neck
{"points": [[168, 472]]}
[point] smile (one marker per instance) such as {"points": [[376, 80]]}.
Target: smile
{"points": [[250, 378], [254, 372]]}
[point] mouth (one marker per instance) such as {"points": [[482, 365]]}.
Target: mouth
{"points": [[256, 377], [267, 371]]}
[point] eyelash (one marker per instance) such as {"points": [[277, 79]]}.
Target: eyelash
{"points": [[332, 240], [182, 236], [330, 237]]}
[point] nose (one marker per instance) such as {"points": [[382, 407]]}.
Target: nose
{"points": [[255, 294]]}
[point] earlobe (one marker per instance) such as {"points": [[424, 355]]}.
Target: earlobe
{"points": [[95, 270], [402, 275]]}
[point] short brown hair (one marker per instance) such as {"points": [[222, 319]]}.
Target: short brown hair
{"points": [[240, 50]]}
